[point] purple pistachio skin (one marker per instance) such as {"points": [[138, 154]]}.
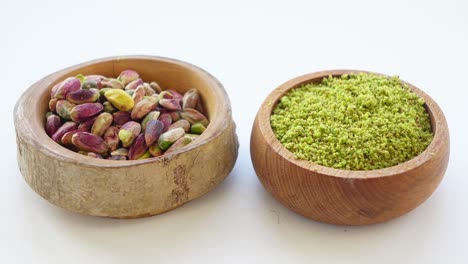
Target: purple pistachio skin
{"points": [[83, 96], [67, 126], [128, 132], [134, 84], [121, 117], [87, 125], [138, 148], [85, 111], [89, 142], [111, 137], [53, 123], [166, 120], [68, 85], [153, 130], [128, 76]]}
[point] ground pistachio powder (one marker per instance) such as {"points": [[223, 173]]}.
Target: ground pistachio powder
{"points": [[354, 122]]}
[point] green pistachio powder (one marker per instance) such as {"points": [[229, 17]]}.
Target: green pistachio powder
{"points": [[354, 122]]}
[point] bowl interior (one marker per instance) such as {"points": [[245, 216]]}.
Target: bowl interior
{"points": [[168, 73], [435, 114]]}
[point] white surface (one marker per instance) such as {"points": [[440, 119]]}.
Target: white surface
{"points": [[251, 48]]}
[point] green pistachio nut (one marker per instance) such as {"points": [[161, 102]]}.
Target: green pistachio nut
{"points": [[111, 137], [101, 124], [89, 142], [153, 115], [128, 132], [80, 77], [193, 116], [91, 83], [138, 94], [145, 155], [112, 83], [85, 111], [170, 104], [192, 136], [197, 128], [120, 99], [64, 109], [83, 96], [180, 123], [180, 143], [191, 98], [128, 76], [133, 84], [142, 108], [148, 89], [168, 138]]}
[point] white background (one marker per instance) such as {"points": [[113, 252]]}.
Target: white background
{"points": [[252, 47]]}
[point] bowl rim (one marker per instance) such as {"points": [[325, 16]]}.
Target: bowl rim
{"points": [[50, 148], [438, 124]]}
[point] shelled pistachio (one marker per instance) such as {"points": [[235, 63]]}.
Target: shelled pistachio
{"points": [[122, 118]]}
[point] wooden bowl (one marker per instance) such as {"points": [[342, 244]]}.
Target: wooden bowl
{"points": [[127, 189], [346, 197]]}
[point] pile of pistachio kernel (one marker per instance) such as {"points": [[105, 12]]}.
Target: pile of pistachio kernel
{"points": [[122, 118], [358, 121]]}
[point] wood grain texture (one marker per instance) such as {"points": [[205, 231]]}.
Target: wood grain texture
{"points": [[340, 196], [127, 189]]}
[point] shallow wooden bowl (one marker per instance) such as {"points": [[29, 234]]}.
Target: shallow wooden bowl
{"points": [[340, 196], [127, 189]]}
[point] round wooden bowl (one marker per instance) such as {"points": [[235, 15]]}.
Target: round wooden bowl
{"points": [[346, 197], [127, 189]]}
